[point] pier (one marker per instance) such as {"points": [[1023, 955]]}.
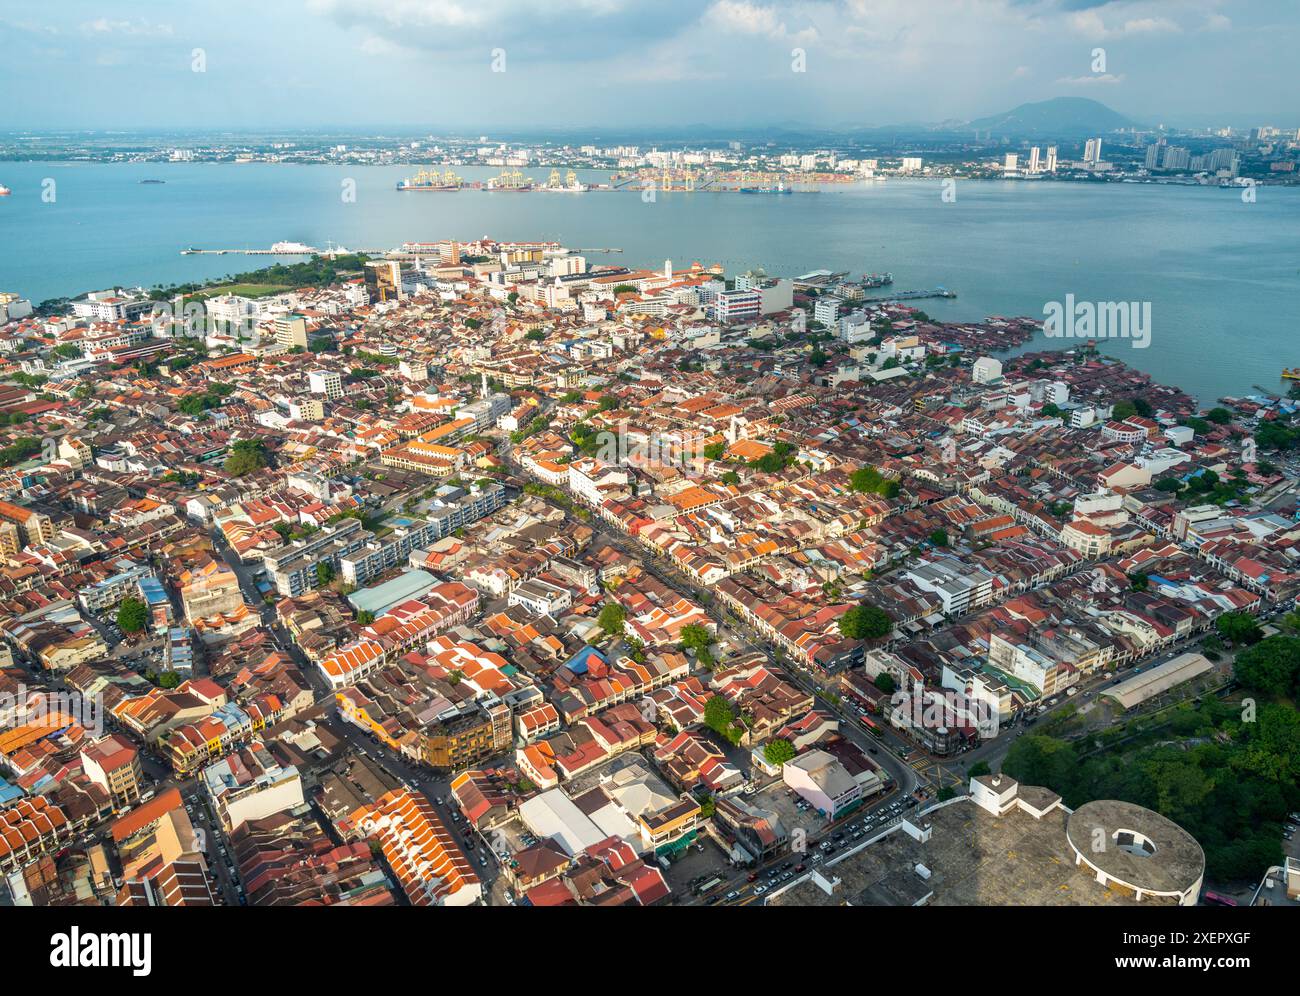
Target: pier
{"points": [[912, 295]]}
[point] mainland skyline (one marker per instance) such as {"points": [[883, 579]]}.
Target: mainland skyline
{"points": [[499, 64]]}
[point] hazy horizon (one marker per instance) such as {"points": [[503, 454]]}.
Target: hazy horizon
{"points": [[456, 67]]}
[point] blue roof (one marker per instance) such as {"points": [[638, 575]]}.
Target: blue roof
{"points": [[151, 590], [579, 661]]}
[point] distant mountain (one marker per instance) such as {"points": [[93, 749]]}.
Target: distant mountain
{"points": [[1065, 117]]}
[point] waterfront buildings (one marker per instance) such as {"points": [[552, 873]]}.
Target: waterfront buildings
{"points": [[582, 542]]}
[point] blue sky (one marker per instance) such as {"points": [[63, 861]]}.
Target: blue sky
{"points": [[427, 64]]}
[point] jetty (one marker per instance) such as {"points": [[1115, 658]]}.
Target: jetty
{"points": [[912, 295]]}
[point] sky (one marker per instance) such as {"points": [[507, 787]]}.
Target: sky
{"points": [[471, 66]]}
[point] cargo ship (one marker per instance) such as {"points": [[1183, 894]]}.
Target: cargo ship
{"points": [[780, 188], [431, 180], [571, 184], [512, 180]]}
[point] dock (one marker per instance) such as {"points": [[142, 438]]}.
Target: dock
{"points": [[912, 295]]}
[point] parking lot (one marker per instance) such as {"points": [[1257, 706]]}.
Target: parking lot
{"points": [[835, 840]]}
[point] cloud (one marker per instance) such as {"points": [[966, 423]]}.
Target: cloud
{"points": [[1091, 80], [743, 18], [381, 48], [578, 30], [1091, 24], [135, 29]]}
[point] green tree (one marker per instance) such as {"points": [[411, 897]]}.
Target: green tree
{"points": [[885, 682], [1238, 627], [324, 573], [1123, 410], [979, 768], [719, 718], [695, 637], [132, 615], [865, 622], [939, 537], [778, 751], [868, 480], [611, 619], [245, 457], [1271, 666]]}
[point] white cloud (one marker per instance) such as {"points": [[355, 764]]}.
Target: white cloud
{"points": [[381, 47], [1095, 79], [744, 18], [548, 31], [139, 29], [1091, 24]]}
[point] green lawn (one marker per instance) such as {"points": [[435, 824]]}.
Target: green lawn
{"points": [[243, 290]]}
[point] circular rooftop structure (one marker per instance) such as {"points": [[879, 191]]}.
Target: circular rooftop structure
{"points": [[1137, 849]]}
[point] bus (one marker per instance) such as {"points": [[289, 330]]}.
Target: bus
{"points": [[872, 726], [709, 886]]}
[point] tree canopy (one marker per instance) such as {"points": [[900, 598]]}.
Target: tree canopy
{"points": [[865, 622], [132, 615], [868, 480], [611, 618], [779, 751], [245, 457]]}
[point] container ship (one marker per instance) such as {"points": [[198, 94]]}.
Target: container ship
{"points": [[780, 188], [512, 180], [571, 184], [427, 180]]}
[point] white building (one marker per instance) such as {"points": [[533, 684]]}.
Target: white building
{"points": [[326, 382], [249, 784], [986, 370], [541, 597], [823, 782]]}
